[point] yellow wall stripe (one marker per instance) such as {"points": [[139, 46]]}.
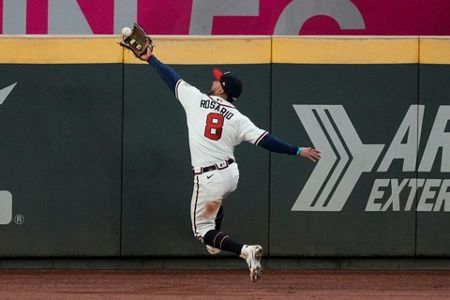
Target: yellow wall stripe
{"points": [[344, 50], [59, 50], [435, 50], [209, 50], [228, 50]]}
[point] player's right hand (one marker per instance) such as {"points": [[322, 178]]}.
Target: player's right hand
{"points": [[310, 153], [147, 55]]}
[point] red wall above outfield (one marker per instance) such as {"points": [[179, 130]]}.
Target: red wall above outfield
{"points": [[234, 17]]}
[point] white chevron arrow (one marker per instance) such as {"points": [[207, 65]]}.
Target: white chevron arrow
{"points": [[4, 93], [344, 158]]}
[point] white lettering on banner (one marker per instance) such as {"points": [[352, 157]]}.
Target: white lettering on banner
{"points": [[428, 194], [443, 197], [376, 194], [66, 17], [14, 16], [270, 17], [203, 12], [5, 196], [414, 185], [407, 151], [346, 158], [438, 139], [5, 207], [296, 13], [4, 92], [427, 197], [394, 200], [125, 14]]}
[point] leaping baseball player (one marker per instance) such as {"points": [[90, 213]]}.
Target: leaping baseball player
{"points": [[215, 127]]}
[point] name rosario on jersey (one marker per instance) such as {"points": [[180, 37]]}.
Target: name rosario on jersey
{"points": [[211, 104]]}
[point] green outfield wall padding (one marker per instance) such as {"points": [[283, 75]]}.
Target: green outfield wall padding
{"points": [[94, 157], [60, 153]]}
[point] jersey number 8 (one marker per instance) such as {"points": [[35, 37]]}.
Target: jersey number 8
{"points": [[214, 125]]}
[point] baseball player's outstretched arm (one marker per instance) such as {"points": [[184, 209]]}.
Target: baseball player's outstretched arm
{"points": [[274, 144], [167, 74]]}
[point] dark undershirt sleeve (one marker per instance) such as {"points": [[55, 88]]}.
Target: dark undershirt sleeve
{"points": [[167, 74], [274, 144]]}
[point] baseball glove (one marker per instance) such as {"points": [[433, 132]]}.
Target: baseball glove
{"points": [[138, 41]]}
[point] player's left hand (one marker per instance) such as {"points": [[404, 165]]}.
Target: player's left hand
{"points": [[310, 153]]}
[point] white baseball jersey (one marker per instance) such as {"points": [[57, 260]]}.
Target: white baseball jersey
{"points": [[215, 126]]}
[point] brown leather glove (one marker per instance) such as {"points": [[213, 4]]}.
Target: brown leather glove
{"points": [[138, 41]]}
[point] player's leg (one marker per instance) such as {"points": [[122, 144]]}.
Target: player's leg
{"points": [[252, 254], [212, 250], [220, 240], [206, 221], [203, 210], [206, 207], [206, 216], [219, 218]]}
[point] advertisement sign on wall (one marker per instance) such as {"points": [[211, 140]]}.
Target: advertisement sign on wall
{"points": [[227, 17]]}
